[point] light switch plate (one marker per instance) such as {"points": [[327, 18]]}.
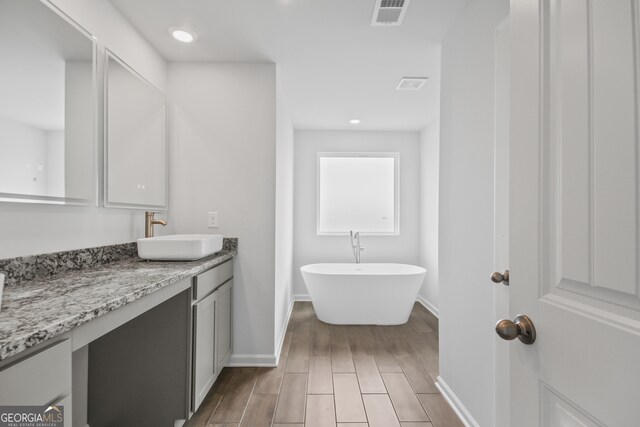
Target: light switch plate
{"points": [[212, 219]]}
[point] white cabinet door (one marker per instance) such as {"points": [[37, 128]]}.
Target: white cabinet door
{"points": [[39, 378], [204, 364], [223, 324], [42, 378], [575, 212]]}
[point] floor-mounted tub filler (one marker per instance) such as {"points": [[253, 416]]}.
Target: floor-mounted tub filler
{"points": [[363, 294]]}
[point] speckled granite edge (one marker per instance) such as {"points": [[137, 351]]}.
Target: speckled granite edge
{"points": [[41, 310], [230, 244], [23, 269]]}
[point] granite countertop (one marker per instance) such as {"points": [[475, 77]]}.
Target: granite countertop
{"points": [[40, 309]]}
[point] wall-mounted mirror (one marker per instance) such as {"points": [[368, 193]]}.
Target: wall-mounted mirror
{"points": [[47, 106], [135, 135]]}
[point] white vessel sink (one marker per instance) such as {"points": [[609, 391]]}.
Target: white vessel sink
{"points": [[179, 247]]}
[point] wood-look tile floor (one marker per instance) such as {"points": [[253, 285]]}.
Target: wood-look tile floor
{"points": [[338, 376]]}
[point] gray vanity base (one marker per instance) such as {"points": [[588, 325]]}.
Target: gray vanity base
{"points": [[138, 373], [121, 335]]}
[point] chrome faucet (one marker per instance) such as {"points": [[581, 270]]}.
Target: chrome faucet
{"points": [[355, 245], [149, 222]]}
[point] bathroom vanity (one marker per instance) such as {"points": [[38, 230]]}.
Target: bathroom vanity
{"points": [[129, 343]]}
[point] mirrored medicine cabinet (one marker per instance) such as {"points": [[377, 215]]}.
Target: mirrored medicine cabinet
{"points": [[47, 106], [52, 75], [135, 139]]}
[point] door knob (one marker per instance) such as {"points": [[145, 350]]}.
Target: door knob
{"points": [[521, 328], [498, 277]]}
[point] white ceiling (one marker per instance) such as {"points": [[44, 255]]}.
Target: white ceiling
{"points": [[333, 65]]}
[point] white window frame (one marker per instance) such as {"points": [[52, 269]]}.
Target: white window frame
{"points": [[396, 186]]}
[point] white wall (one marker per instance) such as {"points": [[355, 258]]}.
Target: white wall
{"points": [[223, 159], [429, 202], [284, 214], [311, 248], [466, 209], [28, 229]]}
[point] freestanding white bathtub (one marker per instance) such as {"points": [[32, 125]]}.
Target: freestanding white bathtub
{"points": [[363, 294]]}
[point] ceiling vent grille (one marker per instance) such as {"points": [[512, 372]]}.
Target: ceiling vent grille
{"points": [[389, 12], [411, 83]]}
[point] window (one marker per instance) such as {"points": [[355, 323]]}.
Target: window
{"points": [[357, 191]]}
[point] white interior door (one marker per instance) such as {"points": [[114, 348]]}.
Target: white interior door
{"points": [[574, 212], [501, 214]]}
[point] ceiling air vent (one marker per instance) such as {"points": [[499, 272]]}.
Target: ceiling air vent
{"points": [[389, 12], [411, 83]]}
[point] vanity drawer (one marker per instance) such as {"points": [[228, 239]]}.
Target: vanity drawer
{"points": [[38, 379], [211, 279]]}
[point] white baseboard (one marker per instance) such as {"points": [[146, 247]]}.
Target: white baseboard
{"points": [[432, 308], [455, 404], [284, 331], [302, 297], [266, 360], [249, 360]]}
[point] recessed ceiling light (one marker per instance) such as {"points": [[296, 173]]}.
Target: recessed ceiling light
{"points": [[354, 121], [182, 34]]}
